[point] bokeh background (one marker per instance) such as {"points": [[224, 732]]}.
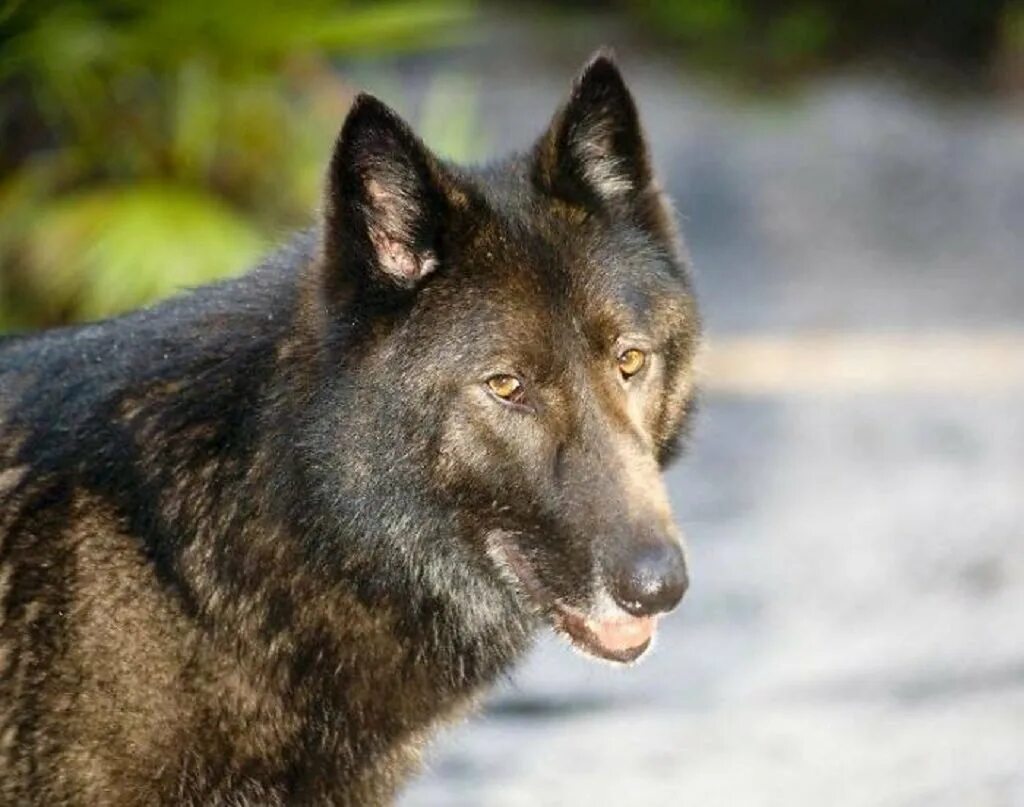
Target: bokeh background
{"points": [[851, 181]]}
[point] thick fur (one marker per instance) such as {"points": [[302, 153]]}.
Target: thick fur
{"points": [[247, 535]]}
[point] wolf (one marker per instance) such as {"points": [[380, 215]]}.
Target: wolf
{"points": [[260, 541]]}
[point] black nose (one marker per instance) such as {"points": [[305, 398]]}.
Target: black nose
{"points": [[650, 579]]}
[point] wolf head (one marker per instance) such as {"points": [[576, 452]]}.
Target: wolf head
{"points": [[508, 366]]}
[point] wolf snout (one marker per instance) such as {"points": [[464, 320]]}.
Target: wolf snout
{"points": [[650, 579]]}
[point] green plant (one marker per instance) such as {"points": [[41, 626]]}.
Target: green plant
{"points": [[755, 38], [150, 143]]}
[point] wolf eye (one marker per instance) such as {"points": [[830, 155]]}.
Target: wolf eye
{"points": [[631, 362], [507, 387]]}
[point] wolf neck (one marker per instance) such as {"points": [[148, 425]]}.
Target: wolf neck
{"points": [[363, 631], [364, 660]]}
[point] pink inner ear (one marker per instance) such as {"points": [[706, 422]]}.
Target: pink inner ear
{"points": [[391, 223], [397, 259]]}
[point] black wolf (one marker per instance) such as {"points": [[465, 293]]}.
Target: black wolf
{"points": [[259, 541]]}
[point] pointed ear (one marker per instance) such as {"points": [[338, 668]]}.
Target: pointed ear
{"points": [[594, 152], [384, 205]]}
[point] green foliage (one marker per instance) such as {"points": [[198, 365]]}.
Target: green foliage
{"points": [[88, 248], [147, 143], [743, 33], [1013, 28], [769, 37]]}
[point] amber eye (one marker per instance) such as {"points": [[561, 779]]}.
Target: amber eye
{"points": [[506, 387], [631, 362]]}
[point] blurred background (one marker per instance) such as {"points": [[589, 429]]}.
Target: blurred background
{"points": [[851, 181]]}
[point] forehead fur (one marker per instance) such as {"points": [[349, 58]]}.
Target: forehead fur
{"points": [[537, 256], [535, 283]]}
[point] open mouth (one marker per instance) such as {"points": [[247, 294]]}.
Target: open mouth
{"points": [[613, 635], [620, 637]]}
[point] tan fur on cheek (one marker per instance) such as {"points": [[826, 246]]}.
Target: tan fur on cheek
{"points": [[679, 395], [10, 478]]}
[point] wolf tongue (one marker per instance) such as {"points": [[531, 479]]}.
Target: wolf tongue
{"points": [[624, 633]]}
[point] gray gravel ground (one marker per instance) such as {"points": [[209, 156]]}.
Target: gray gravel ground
{"points": [[855, 630]]}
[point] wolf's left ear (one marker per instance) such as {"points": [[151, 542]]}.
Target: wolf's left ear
{"points": [[384, 204], [594, 152]]}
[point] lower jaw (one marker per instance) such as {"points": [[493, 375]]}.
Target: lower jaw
{"points": [[582, 631], [623, 640]]}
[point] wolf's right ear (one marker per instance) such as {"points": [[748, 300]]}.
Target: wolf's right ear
{"points": [[384, 204]]}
